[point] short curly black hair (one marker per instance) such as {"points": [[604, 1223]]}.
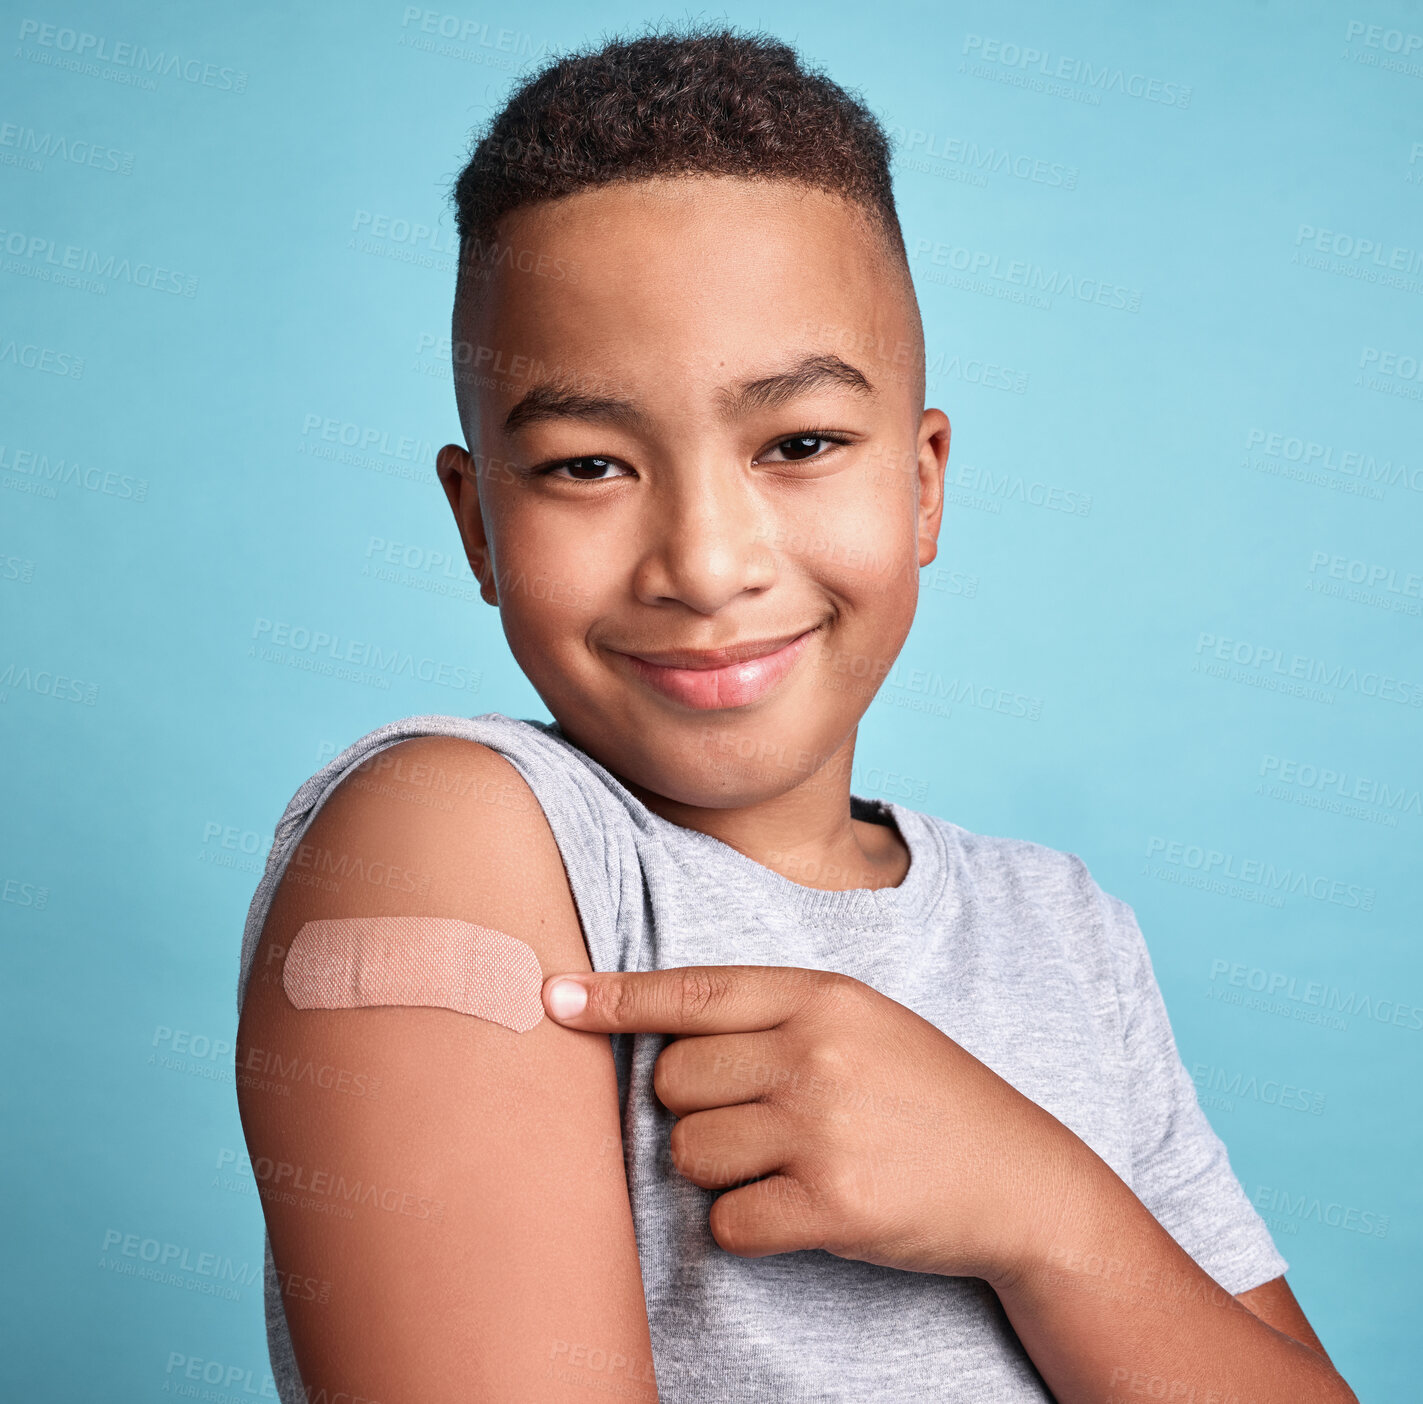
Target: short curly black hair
{"points": [[697, 100]]}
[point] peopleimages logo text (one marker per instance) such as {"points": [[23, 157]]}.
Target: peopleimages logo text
{"points": [[1262, 658], [390, 662], [1258, 872]]}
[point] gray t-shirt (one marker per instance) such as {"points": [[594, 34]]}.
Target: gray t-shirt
{"points": [[1008, 947]]}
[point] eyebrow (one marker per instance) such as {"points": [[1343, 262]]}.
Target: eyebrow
{"points": [[554, 400]]}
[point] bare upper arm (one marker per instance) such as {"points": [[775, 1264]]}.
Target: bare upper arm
{"points": [[1274, 1303], [457, 1188]]}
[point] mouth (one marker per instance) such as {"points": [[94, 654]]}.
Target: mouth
{"points": [[710, 679]]}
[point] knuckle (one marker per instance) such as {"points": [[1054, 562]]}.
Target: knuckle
{"points": [[834, 992], [615, 999], [698, 992], [790, 1209], [828, 1060], [841, 1194]]}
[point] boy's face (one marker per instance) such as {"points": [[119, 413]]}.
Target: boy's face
{"points": [[696, 411]]}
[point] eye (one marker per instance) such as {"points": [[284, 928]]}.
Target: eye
{"points": [[799, 447], [580, 470]]}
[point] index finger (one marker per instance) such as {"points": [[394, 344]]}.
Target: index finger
{"points": [[685, 999]]}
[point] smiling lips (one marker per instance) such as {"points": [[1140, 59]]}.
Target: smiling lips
{"points": [[726, 677]]}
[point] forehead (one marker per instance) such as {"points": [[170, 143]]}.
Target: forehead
{"points": [[696, 277]]}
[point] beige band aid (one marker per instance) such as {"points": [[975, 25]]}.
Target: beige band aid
{"points": [[357, 962]]}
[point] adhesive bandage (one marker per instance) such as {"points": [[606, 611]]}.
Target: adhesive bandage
{"points": [[358, 962]]}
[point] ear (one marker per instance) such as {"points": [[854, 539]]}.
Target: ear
{"points": [[458, 477], [934, 431]]}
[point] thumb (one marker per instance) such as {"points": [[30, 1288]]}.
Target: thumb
{"points": [[609, 1001], [565, 996]]}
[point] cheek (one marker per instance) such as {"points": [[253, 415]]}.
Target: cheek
{"points": [[858, 538], [555, 571]]}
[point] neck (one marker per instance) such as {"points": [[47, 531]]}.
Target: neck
{"points": [[806, 835]]}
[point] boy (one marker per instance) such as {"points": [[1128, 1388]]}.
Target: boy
{"points": [[889, 1110]]}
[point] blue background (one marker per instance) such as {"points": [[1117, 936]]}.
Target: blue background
{"points": [[250, 443]]}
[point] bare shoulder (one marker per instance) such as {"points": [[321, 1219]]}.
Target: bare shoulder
{"points": [[448, 814], [446, 1197], [432, 826]]}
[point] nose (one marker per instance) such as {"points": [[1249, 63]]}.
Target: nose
{"points": [[707, 540]]}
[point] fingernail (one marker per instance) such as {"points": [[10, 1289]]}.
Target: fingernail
{"points": [[567, 998]]}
